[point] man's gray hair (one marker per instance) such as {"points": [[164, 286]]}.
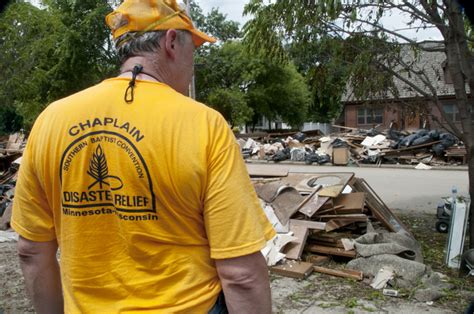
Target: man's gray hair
{"points": [[135, 44]]}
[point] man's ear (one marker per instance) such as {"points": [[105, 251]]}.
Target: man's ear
{"points": [[171, 43]]}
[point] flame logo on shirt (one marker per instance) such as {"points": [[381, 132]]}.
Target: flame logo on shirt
{"points": [[99, 170]]}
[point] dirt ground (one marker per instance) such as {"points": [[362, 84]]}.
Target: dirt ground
{"points": [[316, 294]]}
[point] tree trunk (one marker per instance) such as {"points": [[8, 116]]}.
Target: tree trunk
{"points": [[461, 70], [470, 163]]}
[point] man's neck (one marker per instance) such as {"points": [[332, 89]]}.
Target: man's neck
{"points": [[148, 72]]}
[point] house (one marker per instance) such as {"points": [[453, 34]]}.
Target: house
{"points": [[408, 110]]}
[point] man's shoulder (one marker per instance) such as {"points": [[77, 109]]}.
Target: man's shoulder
{"points": [[79, 96]]}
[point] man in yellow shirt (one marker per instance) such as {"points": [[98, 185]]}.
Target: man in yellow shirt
{"points": [[142, 189]]}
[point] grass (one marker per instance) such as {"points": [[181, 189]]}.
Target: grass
{"points": [[433, 245]]}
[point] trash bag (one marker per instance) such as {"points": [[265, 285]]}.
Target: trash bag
{"points": [[394, 135], [246, 152], [310, 158], [408, 140], [324, 159], [281, 155], [447, 139], [422, 140], [298, 154], [372, 132], [396, 144], [300, 137], [339, 143], [422, 132], [438, 149], [434, 134]]}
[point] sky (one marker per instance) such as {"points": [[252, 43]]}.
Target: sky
{"points": [[233, 8], [393, 20]]}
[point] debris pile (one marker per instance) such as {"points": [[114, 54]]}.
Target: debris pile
{"points": [[11, 150], [336, 216], [356, 146]]}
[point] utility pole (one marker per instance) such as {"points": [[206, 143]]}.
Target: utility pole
{"points": [[192, 86]]}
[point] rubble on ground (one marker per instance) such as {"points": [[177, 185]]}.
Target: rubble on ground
{"points": [[11, 150], [318, 217], [424, 148], [321, 217]]}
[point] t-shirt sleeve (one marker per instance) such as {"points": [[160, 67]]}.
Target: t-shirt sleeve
{"points": [[235, 222], [32, 217]]}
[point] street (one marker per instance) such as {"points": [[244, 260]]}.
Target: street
{"points": [[401, 189]]}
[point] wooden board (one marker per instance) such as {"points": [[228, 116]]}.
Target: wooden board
{"points": [[268, 191], [286, 204], [318, 259], [346, 273], [315, 225], [329, 250], [293, 269], [256, 170], [332, 191], [293, 250], [351, 201], [334, 224], [313, 203]]}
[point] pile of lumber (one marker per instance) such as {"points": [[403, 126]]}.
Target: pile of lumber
{"points": [[320, 215]]}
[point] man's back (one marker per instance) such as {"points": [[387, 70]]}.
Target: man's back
{"points": [[141, 197]]}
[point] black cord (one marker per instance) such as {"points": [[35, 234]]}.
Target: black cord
{"points": [[129, 93]]}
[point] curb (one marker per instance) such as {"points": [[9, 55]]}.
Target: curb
{"points": [[382, 166]]}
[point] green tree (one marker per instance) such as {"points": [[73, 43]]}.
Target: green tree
{"points": [[290, 20], [231, 103], [256, 87], [52, 52], [277, 92]]}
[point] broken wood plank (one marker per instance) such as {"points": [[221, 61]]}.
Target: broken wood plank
{"points": [[286, 204], [268, 191], [309, 224], [329, 250], [348, 216], [294, 249], [293, 269], [318, 260], [313, 203], [339, 223], [345, 273], [332, 191], [330, 237], [353, 200], [337, 244]]}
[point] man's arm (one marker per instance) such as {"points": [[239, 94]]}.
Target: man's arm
{"points": [[41, 270], [245, 283]]}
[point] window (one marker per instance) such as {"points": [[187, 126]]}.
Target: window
{"points": [[369, 116], [451, 110]]}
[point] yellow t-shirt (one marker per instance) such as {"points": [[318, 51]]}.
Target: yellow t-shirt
{"points": [[141, 198]]}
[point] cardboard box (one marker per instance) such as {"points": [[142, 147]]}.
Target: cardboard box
{"points": [[340, 156]]}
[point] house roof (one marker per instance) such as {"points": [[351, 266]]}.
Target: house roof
{"points": [[431, 63]]}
